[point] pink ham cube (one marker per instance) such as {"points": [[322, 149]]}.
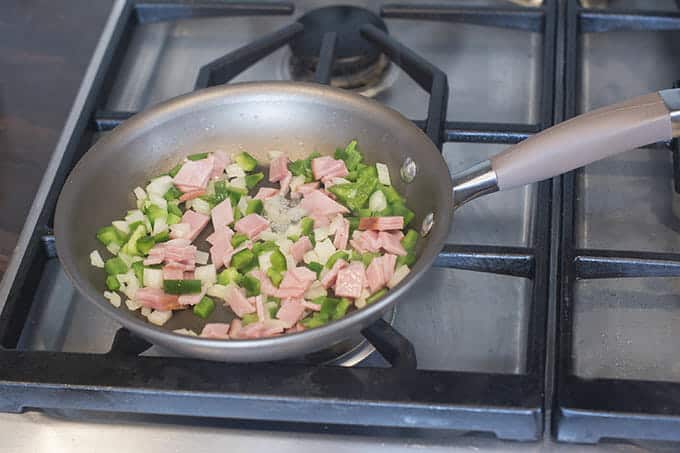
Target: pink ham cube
{"points": [[252, 225], [350, 281]]}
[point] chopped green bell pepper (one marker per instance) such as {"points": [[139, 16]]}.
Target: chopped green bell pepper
{"points": [[350, 155], [197, 156], [204, 308], [254, 179], [174, 170], [174, 209], [252, 285], [243, 259], [264, 246], [109, 235], [130, 246], [273, 307], [238, 239], [278, 261], [408, 259], [144, 244], [229, 275], [245, 161], [254, 207], [249, 318], [306, 226], [400, 209], [162, 237], [367, 257], [138, 269], [375, 296], [409, 240], [182, 286], [112, 283], [341, 308], [303, 167], [173, 193], [115, 266], [316, 267], [336, 256], [173, 219], [275, 276]]}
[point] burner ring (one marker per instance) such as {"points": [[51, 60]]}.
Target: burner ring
{"points": [[353, 53]]}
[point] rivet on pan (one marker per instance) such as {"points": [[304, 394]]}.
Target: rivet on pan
{"points": [[408, 170], [427, 224]]}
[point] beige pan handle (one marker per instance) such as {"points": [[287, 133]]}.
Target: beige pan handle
{"points": [[574, 143]]}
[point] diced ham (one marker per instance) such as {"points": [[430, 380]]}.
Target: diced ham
{"points": [[296, 328], [301, 246], [216, 330], [391, 242], [304, 189], [235, 328], [267, 288], [341, 234], [221, 245], [237, 302], [194, 174], [232, 252], [189, 275], [222, 159], [278, 169], [157, 299], [173, 271], [365, 241], [265, 193], [326, 166], [295, 282], [375, 275], [311, 305], [285, 183], [291, 311], [381, 223], [328, 280], [191, 195], [180, 230], [222, 214], [350, 281], [389, 261], [178, 251], [318, 203], [304, 275], [259, 306], [261, 329], [196, 223], [156, 256], [320, 221], [252, 225], [190, 299]]}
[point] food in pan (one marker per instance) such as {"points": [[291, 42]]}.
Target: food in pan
{"points": [[314, 240]]}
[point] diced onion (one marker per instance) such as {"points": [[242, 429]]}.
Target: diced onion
{"points": [[113, 248], [361, 301], [218, 291], [284, 244], [146, 311], [321, 233], [180, 230], [377, 202], [159, 317], [399, 274], [202, 257], [294, 230], [187, 332], [153, 278], [132, 304], [201, 206], [127, 259], [383, 174], [160, 226], [243, 204], [159, 186], [159, 201], [206, 274], [113, 297], [139, 193], [239, 182], [135, 216], [264, 260], [96, 259], [121, 226], [310, 257], [234, 171], [268, 235], [324, 250], [316, 290]]}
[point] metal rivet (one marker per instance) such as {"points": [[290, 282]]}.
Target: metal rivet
{"points": [[428, 222], [408, 170]]}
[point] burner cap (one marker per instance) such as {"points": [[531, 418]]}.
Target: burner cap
{"points": [[352, 52]]}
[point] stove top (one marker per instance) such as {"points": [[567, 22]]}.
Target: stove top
{"points": [[482, 325]]}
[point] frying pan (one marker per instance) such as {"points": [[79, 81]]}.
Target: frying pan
{"points": [[298, 118]]}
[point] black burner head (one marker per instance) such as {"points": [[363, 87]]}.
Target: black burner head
{"points": [[353, 53]]}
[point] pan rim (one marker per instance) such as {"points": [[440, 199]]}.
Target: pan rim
{"points": [[225, 94]]}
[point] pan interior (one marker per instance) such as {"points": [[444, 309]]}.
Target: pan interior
{"points": [[293, 118]]}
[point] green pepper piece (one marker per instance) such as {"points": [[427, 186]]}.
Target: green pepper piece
{"points": [[278, 261], [408, 259], [254, 207], [110, 234], [399, 209], [341, 308], [363, 212], [391, 194], [306, 226], [350, 155], [316, 267], [173, 219], [115, 266], [303, 167], [182, 286], [254, 179], [204, 308], [273, 307], [355, 256], [375, 296], [197, 156], [237, 212], [112, 283], [138, 269], [144, 244], [162, 237], [173, 172], [154, 213], [245, 161], [328, 306], [275, 276], [353, 224], [252, 285], [229, 275], [367, 257], [238, 239], [316, 320], [243, 259], [173, 193], [409, 240], [336, 256], [249, 318], [130, 246], [264, 246], [174, 209]]}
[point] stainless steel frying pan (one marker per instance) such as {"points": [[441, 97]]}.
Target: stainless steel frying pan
{"points": [[298, 118]]}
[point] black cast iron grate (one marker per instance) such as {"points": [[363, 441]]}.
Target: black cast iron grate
{"points": [[588, 410], [509, 405]]}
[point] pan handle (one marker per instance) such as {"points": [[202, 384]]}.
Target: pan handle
{"points": [[574, 143]]}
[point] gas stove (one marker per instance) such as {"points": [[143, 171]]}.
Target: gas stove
{"points": [[526, 324]]}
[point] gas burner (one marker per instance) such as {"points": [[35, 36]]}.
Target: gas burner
{"points": [[358, 65]]}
